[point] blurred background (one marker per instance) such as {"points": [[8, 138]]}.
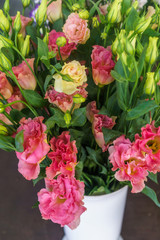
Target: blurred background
{"points": [[19, 221]]}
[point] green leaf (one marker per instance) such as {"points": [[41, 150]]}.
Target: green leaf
{"points": [[117, 76], [58, 25], [16, 115], [35, 205], [47, 81], [7, 143], [34, 98], [94, 8], [132, 20], [141, 109], [43, 52], [58, 117], [151, 194], [110, 135], [32, 31], [79, 117], [122, 95], [19, 140], [50, 123], [141, 62], [78, 170], [153, 177], [126, 4]]}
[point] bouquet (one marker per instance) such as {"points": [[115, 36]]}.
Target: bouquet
{"points": [[80, 99]]}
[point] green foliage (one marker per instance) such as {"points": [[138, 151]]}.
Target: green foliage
{"points": [[19, 140], [34, 98]]}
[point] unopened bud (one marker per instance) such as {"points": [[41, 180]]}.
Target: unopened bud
{"points": [[152, 50], [20, 41], [84, 14], [5, 42], [149, 86], [129, 48], [67, 118], [17, 22], [26, 3], [103, 35], [143, 24], [77, 98], [46, 38], [61, 41], [6, 6], [5, 63], [114, 14], [2, 108], [41, 14], [95, 22], [26, 46], [139, 48], [4, 23], [157, 76], [121, 38], [3, 130], [76, 7], [134, 5]]}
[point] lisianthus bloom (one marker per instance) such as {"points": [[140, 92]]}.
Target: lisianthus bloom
{"points": [[25, 21], [54, 11], [5, 87], [76, 29], [35, 147], [149, 145], [101, 121], [24, 75], [61, 100], [65, 50], [61, 201], [78, 74], [91, 110], [129, 162], [63, 156], [102, 64], [103, 9]]}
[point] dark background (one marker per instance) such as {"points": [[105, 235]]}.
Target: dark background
{"points": [[18, 221]]}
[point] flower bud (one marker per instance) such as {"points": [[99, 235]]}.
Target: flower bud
{"points": [[139, 48], [151, 11], [67, 118], [77, 98], [20, 41], [54, 11], [157, 77], [114, 14], [143, 24], [26, 3], [61, 41], [84, 14], [129, 48], [3, 130], [17, 22], [95, 22], [103, 35], [5, 63], [46, 38], [121, 38], [152, 50], [41, 14], [6, 6], [149, 86], [134, 5], [2, 108], [76, 7], [4, 23], [5, 42], [26, 46]]}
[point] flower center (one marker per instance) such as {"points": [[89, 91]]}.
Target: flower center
{"points": [[154, 145]]}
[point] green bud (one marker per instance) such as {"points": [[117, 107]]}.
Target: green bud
{"points": [[2, 108], [157, 76], [114, 15], [61, 41], [20, 42], [143, 24], [5, 63], [4, 23], [129, 48], [41, 14], [78, 99], [26, 46], [152, 50], [26, 3], [121, 38], [139, 48], [95, 22], [149, 86], [6, 6], [17, 22], [3, 130], [103, 35], [67, 118], [46, 38], [84, 14], [76, 7], [5, 42], [134, 5]]}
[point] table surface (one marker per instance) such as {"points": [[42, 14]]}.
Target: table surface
{"points": [[18, 220]]}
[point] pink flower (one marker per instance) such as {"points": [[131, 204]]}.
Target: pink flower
{"points": [[91, 110], [5, 87], [25, 21], [103, 9], [65, 50], [61, 201], [54, 11], [131, 165], [63, 156], [76, 29], [24, 75], [102, 64], [101, 121], [61, 100], [35, 147]]}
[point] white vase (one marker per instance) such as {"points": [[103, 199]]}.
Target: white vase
{"points": [[103, 218]]}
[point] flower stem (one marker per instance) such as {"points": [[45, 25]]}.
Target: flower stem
{"points": [[98, 96]]}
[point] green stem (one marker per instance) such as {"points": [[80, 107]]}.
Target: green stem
{"points": [[98, 96], [9, 117], [7, 126], [108, 88], [23, 11], [60, 55]]}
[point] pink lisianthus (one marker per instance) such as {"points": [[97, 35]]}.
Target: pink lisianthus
{"points": [[103, 9], [91, 110], [63, 156], [54, 11], [76, 29], [5, 87], [61, 100], [25, 21], [24, 75], [35, 147], [65, 50], [129, 162], [61, 201], [101, 121], [102, 64]]}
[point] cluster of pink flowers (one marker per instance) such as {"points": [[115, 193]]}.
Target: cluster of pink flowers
{"points": [[99, 121], [135, 160]]}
